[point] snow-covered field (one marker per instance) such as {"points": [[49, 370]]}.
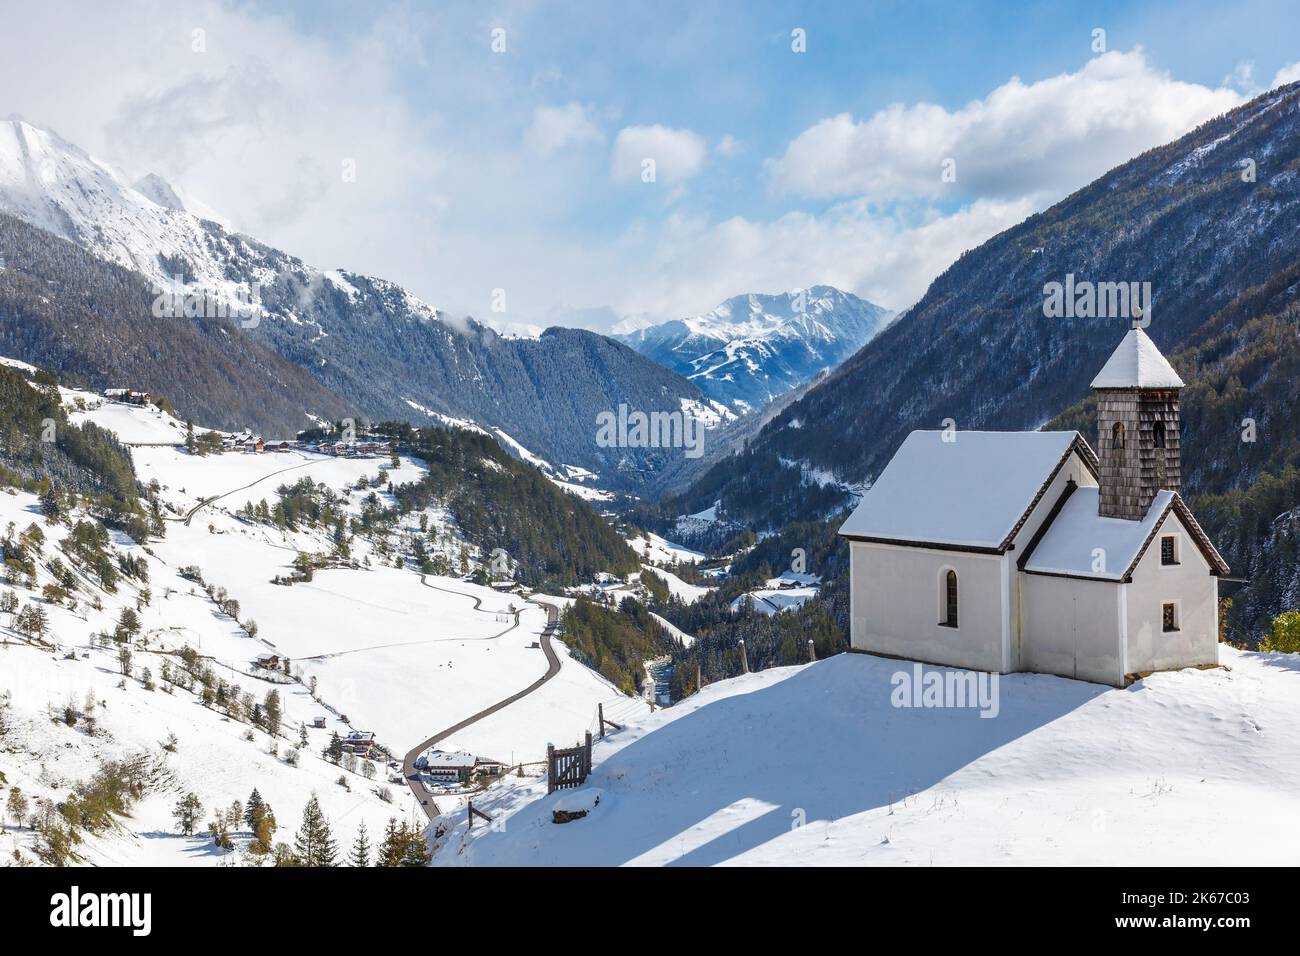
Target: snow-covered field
{"points": [[688, 593], [813, 765], [651, 547], [769, 601], [133, 424], [390, 654], [401, 657], [45, 757]]}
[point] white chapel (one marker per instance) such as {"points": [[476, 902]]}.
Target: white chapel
{"points": [[1028, 551]]}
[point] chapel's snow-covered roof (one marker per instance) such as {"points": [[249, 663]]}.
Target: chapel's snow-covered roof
{"points": [[1078, 531], [1071, 542], [969, 492], [1137, 363]]}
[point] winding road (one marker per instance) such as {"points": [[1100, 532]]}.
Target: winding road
{"points": [[422, 796]]}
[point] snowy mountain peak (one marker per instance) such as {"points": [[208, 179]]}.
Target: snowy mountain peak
{"points": [[169, 196], [59, 187], [754, 347]]}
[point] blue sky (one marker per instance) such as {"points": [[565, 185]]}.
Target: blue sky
{"points": [[480, 171]]}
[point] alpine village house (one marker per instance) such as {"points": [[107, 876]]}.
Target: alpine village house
{"points": [[1027, 551]]}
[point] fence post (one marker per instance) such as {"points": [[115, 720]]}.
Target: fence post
{"points": [[699, 682], [812, 651], [469, 807], [600, 712], [587, 758], [744, 657], [550, 768]]}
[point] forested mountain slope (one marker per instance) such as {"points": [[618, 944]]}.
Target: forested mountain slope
{"points": [[64, 309]]}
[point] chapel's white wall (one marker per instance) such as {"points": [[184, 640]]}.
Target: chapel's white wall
{"points": [[1196, 591], [1073, 469], [896, 605], [1070, 627]]}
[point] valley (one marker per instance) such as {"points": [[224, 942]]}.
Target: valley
{"points": [[870, 514], [403, 654]]}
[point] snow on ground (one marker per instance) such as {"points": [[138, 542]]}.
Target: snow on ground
{"points": [[18, 364], [814, 765], [769, 601], [390, 654], [686, 639], [686, 592], [238, 477], [402, 658], [133, 424], [699, 522], [582, 491], [46, 758], [794, 578], [447, 420], [566, 477], [524, 454], [651, 547], [212, 759]]}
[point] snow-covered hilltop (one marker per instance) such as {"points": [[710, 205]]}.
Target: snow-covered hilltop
{"points": [[753, 348], [815, 765]]}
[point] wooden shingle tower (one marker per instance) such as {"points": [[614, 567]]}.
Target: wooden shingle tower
{"points": [[1138, 427]]}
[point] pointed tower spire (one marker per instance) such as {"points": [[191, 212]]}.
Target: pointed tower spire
{"points": [[1138, 424]]}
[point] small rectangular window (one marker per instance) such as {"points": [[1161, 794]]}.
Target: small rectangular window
{"points": [[1169, 617], [1168, 550]]}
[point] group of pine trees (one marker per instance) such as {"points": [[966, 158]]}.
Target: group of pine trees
{"points": [[42, 451], [552, 538], [313, 844], [208, 368], [615, 642]]}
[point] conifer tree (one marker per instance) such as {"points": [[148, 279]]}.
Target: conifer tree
{"points": [[360, 855], [390, 851], [334, 749], [314, 843], [251, 809], [415, 851]]}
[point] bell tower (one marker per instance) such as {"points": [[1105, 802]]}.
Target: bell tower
{"points": [[1138, 427]]}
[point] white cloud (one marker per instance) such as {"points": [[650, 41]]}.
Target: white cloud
{"points": [[678, 154], [1242, 78], [257, 123], [558, 127], [1021, 139], [729, 146], [451, 202], [1288, 74], [695, 262]]}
